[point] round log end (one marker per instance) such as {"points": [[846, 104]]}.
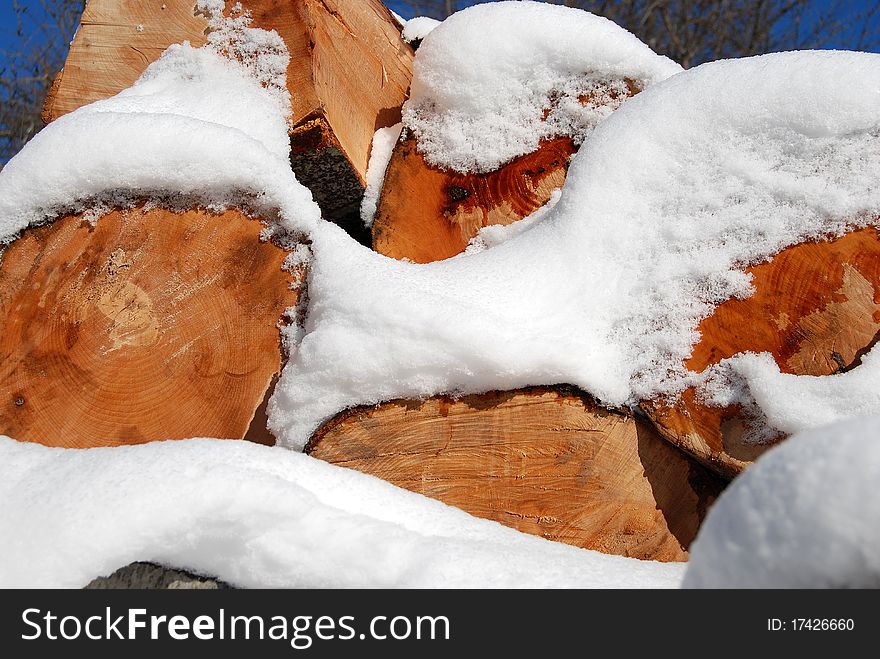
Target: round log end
{"points": [[816, 309], [549, 462], [146, 325]]}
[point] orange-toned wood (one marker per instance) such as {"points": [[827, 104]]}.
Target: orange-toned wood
{"points": [[427, 214], [545, 461], [349, 65], [115, 42], [816, 309], [147, 325]]}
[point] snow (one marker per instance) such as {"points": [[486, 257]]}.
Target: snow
{"points": [[483, 79], [264, 517], [196, 128], [380, 155], [788, 403], [666, 204], [805, 515], [495, 234], [416, 29]]}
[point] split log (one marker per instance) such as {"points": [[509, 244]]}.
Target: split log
{"points": [[348, 76], [426, 213], [115, 42], [545, 461], [147, 325], [816, 309]]}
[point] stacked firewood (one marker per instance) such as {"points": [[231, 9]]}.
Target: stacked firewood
{"points": [[117, 333]]}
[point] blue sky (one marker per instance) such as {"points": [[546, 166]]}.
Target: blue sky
{"points": [[7, 24], [8, 37]]}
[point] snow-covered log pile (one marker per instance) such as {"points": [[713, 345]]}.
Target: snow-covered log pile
{"points": [[600, 287], [345, 64], [500, 100]]}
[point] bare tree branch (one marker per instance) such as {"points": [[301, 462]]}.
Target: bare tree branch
{"points": [[44, 31], [696, 31]]}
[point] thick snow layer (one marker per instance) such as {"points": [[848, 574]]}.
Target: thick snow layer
{"points": [[665, 205], [495, 234], [485, 78], [380, 155], [264, 517], [416, 29], [789, 403], [805, 515], [196, 127]]}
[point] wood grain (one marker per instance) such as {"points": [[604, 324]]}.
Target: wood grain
{"points": [[427, 214], [816, 309], [348, 65], [545, 461], [109, 52], [147, 325]]}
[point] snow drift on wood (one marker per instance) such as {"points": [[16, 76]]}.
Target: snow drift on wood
{"points": [[805, 515], [492, 81], [416, 29], [261, 517], [667, 202], [380, 155], [665, 205], [196, 127]]}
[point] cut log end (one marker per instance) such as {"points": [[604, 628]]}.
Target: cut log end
{"points": [[427, 214], [545, 461], [147, 325], [816, 309], [349, 69]]}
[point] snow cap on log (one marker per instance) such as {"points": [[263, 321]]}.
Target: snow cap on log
{"points": [[348, 74], [666, 205], [494, 80], [196, 129], [502, 96]]}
